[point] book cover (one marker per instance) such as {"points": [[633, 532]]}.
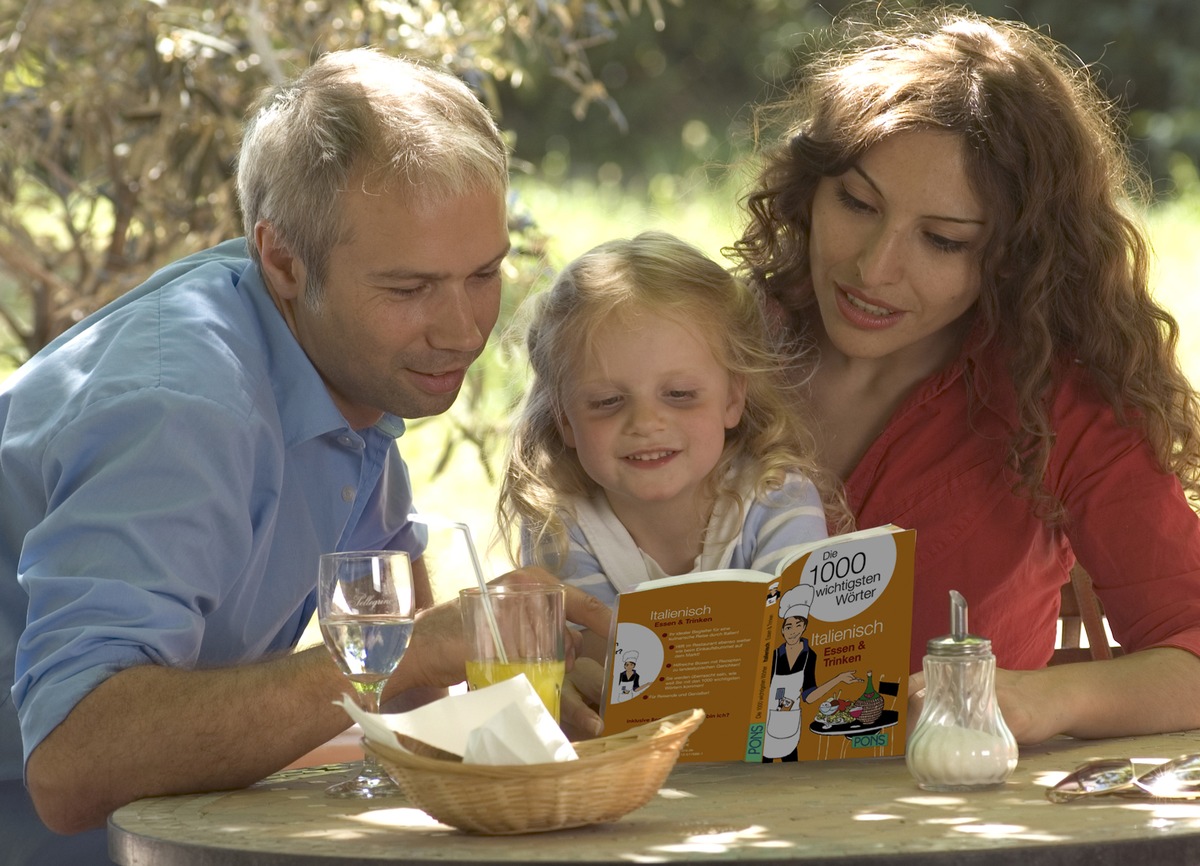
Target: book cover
{"points": [[810, 663]]}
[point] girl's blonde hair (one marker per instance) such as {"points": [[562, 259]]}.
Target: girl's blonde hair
{"points": [[658, 273], [1065, 270]]}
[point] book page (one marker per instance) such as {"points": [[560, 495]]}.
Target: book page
{"points": [[682, 646], [845, 695]]}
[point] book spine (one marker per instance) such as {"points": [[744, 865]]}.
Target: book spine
{"points": [[757, 726]]}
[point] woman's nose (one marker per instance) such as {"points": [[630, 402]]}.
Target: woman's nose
{"points": [[881, 261]]}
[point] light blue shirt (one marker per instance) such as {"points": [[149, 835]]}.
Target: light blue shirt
{"points": [[170, 470]]}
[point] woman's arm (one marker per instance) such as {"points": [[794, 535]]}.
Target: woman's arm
{"points": [[1147, 692]]}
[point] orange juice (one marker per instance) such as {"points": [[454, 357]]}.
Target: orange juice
{"points": [[545, 675]]}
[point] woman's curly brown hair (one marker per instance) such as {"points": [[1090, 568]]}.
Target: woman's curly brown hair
{"points": [[1065, 271]]}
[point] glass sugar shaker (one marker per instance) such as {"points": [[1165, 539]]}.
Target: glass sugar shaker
{"points": [[960, 742]]}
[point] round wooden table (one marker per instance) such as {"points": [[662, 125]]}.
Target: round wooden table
{"points": [[833, 813]]}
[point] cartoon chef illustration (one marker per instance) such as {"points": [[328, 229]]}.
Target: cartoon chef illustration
{"points": [[793, 677], [628, 682]]}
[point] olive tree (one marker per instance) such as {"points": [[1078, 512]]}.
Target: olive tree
{"points": [[121, 118]]}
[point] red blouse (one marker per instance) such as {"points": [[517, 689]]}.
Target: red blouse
{"points": [[940, 469]]}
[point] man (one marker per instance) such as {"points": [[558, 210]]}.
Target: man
{"points": [[173, 466]]}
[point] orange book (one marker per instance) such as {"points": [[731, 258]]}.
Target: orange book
{"points": [[807, 664]]}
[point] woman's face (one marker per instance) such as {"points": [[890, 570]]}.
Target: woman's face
{"points": [[895, 249]]}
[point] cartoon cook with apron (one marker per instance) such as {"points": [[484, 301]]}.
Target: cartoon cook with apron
{"points": [[628, 682], [793, 677]]}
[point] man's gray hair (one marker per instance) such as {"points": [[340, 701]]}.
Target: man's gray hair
{"points": [[363, 116]]}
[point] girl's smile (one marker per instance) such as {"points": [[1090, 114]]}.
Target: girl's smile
{"points": [[648, 415]]}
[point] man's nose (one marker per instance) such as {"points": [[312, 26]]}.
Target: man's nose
{"points": [[456, 324]]}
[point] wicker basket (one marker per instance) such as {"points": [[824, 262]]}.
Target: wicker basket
{"points": [[613, 776]]}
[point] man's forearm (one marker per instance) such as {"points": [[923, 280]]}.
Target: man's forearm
{"points": [[151, 730]]}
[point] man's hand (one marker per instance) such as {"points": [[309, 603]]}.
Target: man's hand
{"points": [[581, 695], [437, 652]]}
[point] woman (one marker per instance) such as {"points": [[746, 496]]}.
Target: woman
{"points": [[945, 220]]}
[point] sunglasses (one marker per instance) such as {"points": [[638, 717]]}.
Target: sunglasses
{"points": [[1175, 780]]}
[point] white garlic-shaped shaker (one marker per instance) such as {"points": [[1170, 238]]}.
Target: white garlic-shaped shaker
{"points": [[960, 741]]}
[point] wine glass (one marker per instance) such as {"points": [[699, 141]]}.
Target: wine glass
{"points": [[365, 608]]}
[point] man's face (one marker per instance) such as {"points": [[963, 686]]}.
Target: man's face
{"points": [[411, 296]]}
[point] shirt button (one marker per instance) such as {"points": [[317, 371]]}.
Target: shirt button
{"points": [[344, 441], [347, 493]]}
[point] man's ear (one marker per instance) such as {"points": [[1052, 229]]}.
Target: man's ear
{"points": [[284, 273]]}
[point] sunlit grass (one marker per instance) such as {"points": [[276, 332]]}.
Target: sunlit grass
{"points": [[1175, 229], [579, 215]]}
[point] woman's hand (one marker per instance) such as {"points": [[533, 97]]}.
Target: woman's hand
{"points": [[1093, 699], [1030, 715]]}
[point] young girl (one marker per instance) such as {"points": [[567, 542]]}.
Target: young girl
{"points": [[659, 435]]}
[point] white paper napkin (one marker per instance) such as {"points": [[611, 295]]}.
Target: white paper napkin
{"points": [[506, 723]]}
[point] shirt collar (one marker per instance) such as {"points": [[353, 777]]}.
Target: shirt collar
{"points": [[306, 410]]}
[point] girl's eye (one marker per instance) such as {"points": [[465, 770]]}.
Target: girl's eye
{"points": [[604, 403], [850, 202], [681, 395]]}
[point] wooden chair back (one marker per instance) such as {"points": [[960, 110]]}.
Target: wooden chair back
{"points": [[1082, 614]]}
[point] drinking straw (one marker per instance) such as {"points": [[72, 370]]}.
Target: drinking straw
{"points": [[488, 613]]}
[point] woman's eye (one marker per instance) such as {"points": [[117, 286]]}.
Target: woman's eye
{"points": [[946, 245], [851, 203]]}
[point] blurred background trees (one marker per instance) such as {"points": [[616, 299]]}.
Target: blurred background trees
{"points": [[121, 117]]}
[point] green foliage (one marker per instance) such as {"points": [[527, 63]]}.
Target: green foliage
{"points": [[121, 118], [684, 90], [1144, 53]]}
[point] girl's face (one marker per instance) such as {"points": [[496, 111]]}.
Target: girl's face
{"points": [[649, 412], [895, 249]]}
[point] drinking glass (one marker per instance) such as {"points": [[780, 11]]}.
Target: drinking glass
{"points": [[516, 629], [365, 608]]}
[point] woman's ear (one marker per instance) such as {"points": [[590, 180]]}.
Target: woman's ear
{"points": [[737, 401], [284, 273]]}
